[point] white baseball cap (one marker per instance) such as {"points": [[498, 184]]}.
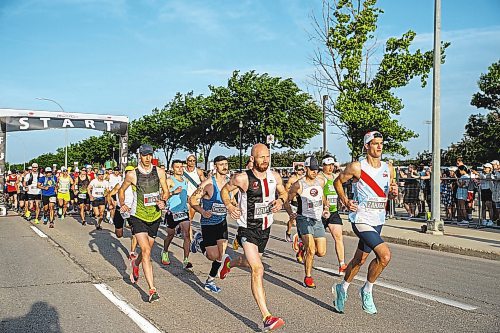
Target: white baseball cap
{"points": [[494, 162], [48, 169], [372, 135], [34, 165], [487, 165]]}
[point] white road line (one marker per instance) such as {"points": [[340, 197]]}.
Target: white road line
{"points": [[442, 300], [38, 231], [143, 324]]}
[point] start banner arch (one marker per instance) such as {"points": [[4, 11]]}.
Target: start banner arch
{"points": [[17, 120]]}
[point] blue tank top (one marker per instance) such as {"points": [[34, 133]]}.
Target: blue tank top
{"points": [[215, 205], [179, 202]]}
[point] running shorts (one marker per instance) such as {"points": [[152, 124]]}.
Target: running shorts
{"points": [[118, 219], [139, 226], [64, 196], [33, 197], [173, 219], [214, 232], [369, 236], [46, 199], [258, 237], [83, 199], [310, 226], [333, 219], [23, 196], [98, 202]]}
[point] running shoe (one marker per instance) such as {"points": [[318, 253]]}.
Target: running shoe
{"points": [[62, 217], [272, 323], [186, 264], [236, 245], [27, 214], [36, 221], [309, 282], [367, 300], [134, 276], [300, 254], [51, 225], [165, 259], [295, 243], [132, 256], [153, 295], [225, 266], [341, 297], [288, 237], [342, 269], [59, 212], [211, 286], [195, 244], [45, 220]]}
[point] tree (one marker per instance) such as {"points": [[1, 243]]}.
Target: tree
{"points": [[359, 101], [489, 84], [266, 105]]}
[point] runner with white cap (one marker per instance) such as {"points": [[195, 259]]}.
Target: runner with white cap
{"points": [[375, 184]]}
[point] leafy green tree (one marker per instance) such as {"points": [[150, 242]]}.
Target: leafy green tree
{"points": [[359, 101], [489, 84]]}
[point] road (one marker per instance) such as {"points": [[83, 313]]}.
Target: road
{"points": [[51, 284]]}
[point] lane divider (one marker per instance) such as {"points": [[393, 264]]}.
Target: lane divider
{"points": [[38, 231], [430, 297], [124, 307]]}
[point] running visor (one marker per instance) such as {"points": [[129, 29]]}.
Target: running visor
{"points": [[328, 160]]}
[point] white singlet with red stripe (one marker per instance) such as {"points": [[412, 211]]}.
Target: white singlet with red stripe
{"points": [[371, 193]]}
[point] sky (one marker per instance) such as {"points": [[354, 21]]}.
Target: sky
{"points": [[127, 57]]}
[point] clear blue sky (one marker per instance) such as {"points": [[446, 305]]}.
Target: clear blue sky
{"points": [[127, 57]]}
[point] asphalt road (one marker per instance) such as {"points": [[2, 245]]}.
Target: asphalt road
{"points": [[49, 285]]}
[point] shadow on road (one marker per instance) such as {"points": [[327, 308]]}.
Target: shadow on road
{"points": [[41, 318]]}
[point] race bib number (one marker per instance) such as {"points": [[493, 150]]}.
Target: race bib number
{"points": [[33, 187], [219, 209], [64, 190], [150, 199], [314, 204], [52, 199], [376, 203], [178, 216], [332, 199], [98, 192], [12, 184], [82, 195], [262, 210]]}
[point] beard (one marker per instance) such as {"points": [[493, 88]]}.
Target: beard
{"points": [[261, 167]]}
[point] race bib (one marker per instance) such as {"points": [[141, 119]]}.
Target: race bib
{"points": [[52, 199], [219, 209], [12, 184], [82, 195], [262, 210], [376, 203], [150, 199], [98, 191], [332, 199], [63, 190], [178, 216], [314, 204]]}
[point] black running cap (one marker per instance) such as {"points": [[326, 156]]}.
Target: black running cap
{"points": [[312, 163], [220, 158], [146, 149]]}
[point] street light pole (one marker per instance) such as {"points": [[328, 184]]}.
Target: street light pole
{"points": [[325, 99], [428, 123], [435, 225], [241, 146], [65, 130]]}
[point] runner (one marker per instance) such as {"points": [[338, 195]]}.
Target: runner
{"points": [[34, 193], [212, 240], [23, 193], [194, 177], [299, 173], [115, 178], [313, 207], [12, 189], [145, 212], [119, 221], [334, 222], [177, 214], [81, 191], [47, 184], [254, 215], [64, 186], [376, 181], [97, 194]]}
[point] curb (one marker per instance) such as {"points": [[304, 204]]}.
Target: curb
{"points": [[427, 245]]}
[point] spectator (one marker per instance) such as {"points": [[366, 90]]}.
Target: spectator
{"points": [[447, 198], [486, 185], [412, 190], [462, 194]]}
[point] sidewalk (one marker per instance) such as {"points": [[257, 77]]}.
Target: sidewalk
{"points": [[483, 243]]}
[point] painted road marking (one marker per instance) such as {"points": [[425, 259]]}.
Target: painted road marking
{"points": [[38, 231], [143, 324], [439, 299]]}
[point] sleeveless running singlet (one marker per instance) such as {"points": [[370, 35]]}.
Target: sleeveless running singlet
{"points": [[311, 199], [330, 194], [11, 183], [214, 205], [371, 192], [194, 176], [64, 184], [146, 194], [255, 203]]}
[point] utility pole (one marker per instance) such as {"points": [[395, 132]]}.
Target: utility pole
{"points": [[325, 99], [65, 130], [435, 225]]}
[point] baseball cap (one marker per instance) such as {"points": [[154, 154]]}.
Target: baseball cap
{"points": [[100, 172], [48, 169], [116, 169], [372, 135], [34, 165], [146, 149], [487, 165], [64, 169], [9, 172], [494, 162], [129, 168], [312, 163], [220, 158], [328, 160]]}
